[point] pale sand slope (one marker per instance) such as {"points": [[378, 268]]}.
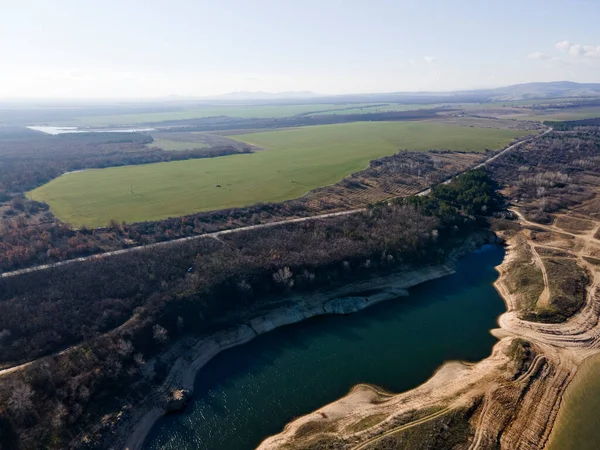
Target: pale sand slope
{"points": [[515, 409]]}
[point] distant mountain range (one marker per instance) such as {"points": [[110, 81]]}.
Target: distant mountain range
{"points": [[549, 90], [515, 92], [260, 95], [526, 91]]}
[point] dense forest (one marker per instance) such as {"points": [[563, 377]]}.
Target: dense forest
{"points": [[465, 198], [29, 160], [120, 311], [570, 125]]}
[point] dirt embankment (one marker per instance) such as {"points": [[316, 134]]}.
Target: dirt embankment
{"points": [[509, 400]]}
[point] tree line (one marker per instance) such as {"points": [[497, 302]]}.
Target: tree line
{"points": [[32, 160]]}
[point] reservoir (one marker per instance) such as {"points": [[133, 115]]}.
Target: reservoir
{"points": [[250, 392], [63, 130]]}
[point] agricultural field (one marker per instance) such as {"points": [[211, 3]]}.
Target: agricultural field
{"points": [[238, 111], [590, 112], [353, 138], [186, 140], [294, 161], [379, 108], [577, 425], [173, 145]]}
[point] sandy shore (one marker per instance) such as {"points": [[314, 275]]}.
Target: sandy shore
{"points": [[514, 400]]}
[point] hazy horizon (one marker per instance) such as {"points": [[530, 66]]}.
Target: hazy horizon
{"points": [[209, 99], [148, 50]]}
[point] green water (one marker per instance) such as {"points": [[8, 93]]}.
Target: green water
{"points": [[250, 392]]}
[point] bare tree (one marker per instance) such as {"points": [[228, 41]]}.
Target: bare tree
{"points": [[159, 333], [284, 277], [139, 359], [19, 402], [124, 348], [60, 412], [180, 323]]}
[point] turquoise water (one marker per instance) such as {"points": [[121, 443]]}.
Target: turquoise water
{"points": [[250, 392]]}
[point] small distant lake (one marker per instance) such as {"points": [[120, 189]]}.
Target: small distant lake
{"points": [[250, 392], [63, 130]]}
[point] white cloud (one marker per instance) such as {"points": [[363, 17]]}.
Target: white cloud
{"points": [[429, 59], [537, 55], [591, 51], [578, 50]]}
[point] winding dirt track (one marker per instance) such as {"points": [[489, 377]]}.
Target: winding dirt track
{"points": [[403, 427], [544, 298]]}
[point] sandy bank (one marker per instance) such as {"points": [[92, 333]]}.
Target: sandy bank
{"points": [[513, 396]]}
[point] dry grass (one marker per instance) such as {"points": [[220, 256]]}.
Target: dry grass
{"points": [[315, 427], [443, 432], [591, 208], [366, 422], [594, 261], [524, 278], [551, 252], [567, 289], [574, 225]]}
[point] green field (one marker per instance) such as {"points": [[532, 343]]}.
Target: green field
{"points": [[577, 425], [591, 112], [379, 108], [241, 111], [294, 162], [171, 145]]}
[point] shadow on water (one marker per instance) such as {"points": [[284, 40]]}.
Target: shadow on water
{"points": [[251, 391]]}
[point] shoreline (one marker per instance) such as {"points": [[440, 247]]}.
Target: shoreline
{"points": [[293, 309], [505, 390], [183, 374], [366, 393]]}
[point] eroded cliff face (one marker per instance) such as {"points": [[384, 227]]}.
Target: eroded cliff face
{"points": [[509, 400]]}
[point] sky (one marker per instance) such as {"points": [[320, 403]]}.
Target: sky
{"points": [[148, 48]]}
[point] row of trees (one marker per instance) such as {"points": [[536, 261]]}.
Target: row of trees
{"points": [[30, 161]]}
